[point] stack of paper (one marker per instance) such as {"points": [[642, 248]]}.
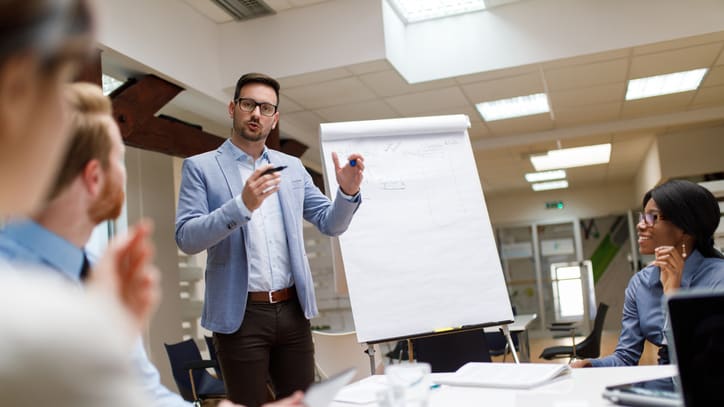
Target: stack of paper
{"points": [[520, 376]]}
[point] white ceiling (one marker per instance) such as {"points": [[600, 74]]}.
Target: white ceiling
{"points": [[586, 95]]}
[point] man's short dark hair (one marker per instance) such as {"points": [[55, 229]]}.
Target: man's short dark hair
{"points": [[256, 78]]}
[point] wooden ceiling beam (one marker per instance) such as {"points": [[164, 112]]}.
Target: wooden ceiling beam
{"points": [[135, 105]]}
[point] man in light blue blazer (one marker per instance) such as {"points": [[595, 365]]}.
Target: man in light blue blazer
{"points": [[244, 204]]}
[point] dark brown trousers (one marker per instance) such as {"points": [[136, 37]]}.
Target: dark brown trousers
{"points": [[274, 341]]}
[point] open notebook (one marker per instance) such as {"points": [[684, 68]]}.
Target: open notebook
{"points": [[520, 376]]}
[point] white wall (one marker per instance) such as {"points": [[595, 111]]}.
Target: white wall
{"points": [[588, 202], [694, 152]]}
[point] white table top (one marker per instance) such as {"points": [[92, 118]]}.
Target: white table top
{"points": [[520, 323], [582, 388]]}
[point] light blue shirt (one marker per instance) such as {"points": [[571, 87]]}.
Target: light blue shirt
{"points": [[28, 243], [269, 268], [644, 313]]}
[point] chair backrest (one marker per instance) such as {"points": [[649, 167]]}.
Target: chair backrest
{"points": [[334, 352], [448, 352], [591, 346], [212, 354], [178, 355], [183, 354]]}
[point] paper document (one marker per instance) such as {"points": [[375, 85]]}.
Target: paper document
{"points": [[363, 391], [520, 376], [322, 393]]}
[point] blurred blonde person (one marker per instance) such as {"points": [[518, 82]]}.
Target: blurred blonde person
{"points": [[49, 356]]}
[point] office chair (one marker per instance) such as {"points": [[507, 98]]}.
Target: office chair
{"points": [[499, 345], [334, 352], [449, 352], [587, 348], [194, 383], [212, 355]]}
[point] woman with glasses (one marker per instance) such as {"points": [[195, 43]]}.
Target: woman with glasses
{"points": [[677, 227]]}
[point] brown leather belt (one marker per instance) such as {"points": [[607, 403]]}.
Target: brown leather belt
{"points": [[272, 297]]}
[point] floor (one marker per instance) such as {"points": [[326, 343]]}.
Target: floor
{"points": [[609, 339]]}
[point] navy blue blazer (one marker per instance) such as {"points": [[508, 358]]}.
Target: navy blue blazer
{"points": [[209, 219]]}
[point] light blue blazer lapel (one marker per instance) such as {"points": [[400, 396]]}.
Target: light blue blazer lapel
{"points": [[229, 168]]}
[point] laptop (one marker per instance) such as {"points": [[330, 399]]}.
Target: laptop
{"points": [[321, 394], [696, 346]]}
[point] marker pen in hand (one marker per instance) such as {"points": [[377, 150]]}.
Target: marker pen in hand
{"points": [[273, 170], [352, 163]]}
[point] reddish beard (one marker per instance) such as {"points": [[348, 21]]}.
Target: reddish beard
{"points": [[109, 204]]}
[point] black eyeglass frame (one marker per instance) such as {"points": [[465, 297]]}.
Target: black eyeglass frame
{"points": [[261, 105], [650, 219]]}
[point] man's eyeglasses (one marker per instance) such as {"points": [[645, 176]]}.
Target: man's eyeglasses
{"points": [[248, 105], [649, 219]]}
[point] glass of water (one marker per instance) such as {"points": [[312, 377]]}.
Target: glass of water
{"points": [[410, 383]]}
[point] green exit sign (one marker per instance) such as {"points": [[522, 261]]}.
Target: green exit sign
{"points": [[554, 205]]}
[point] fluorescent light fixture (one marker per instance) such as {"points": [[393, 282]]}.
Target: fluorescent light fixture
{"points": [[545, 175], [413, 11], [545, 186], [514, 107], [664, 84], [572, 157]]}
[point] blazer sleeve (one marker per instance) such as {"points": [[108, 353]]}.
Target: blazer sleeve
{"points": [[331, 218], [198, 228]]}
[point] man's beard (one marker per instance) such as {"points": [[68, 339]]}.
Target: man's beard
{"points": [[240, 130], [109, 204]]}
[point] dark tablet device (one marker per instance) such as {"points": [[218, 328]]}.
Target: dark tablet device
{"points": [[656, 392]]}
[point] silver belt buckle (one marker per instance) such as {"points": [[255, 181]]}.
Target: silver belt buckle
{"points": [[271, 298]]}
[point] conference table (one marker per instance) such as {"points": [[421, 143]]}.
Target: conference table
{"points": [[520, 328], [582, 388]]}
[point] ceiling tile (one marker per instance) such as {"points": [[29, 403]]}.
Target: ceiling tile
{"points": [[497, 74], [720, 61], [376, 109], [303, 3], [588, 59], [538, 122], [714, 77], [287, 105], [656, 105], [679, 43], [504, 88], [478, 131], [368, 67], [332, 93], [586, 75], [428, 103], [587, 96], [713, 95], [567, 116], [279, 5], [586, 141], [586, 176], [306, 79], [684, 59], [627, 156], [391, 83]]}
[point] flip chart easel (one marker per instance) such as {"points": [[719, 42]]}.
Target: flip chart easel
{"points": [[419, 256]]}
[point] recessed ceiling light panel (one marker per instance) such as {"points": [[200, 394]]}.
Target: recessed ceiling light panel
{"points": [[545, 175], [572, 157], [664, 84], [513, 107], [546, 186]]}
